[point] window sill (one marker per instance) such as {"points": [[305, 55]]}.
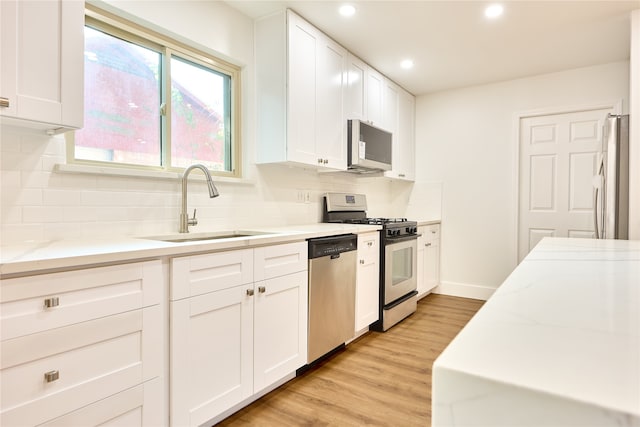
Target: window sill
{"points": [[138, 173]]}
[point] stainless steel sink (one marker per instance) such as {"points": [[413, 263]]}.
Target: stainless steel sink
{"points": [[216, 235]]}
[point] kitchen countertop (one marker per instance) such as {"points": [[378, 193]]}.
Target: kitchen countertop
{"points": [[45, 256], [557, 344], [422, 222]]}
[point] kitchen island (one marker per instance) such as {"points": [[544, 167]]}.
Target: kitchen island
{"points": [[558, 344]]}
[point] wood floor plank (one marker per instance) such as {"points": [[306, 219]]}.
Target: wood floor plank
{"points": [[381, 379]]}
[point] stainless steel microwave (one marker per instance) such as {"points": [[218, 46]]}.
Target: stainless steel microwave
{"points": [[368, 147]]}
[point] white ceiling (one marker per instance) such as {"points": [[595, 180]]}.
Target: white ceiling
{"points": [[453, 45]]}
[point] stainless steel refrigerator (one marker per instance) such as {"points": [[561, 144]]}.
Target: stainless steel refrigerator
{"points": [[611, 208]]}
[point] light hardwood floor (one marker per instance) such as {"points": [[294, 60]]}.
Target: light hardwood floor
{"points": [[381, 379]]}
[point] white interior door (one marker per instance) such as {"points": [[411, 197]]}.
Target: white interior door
{"points": [[558, 160]]}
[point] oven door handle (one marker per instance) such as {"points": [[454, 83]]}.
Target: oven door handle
{"points": [[389, 240]]}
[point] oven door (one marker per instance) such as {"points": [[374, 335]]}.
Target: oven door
{"points": [[400, 268]]}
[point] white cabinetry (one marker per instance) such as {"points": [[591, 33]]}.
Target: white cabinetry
{"points": [[371, 97], [42, 68], [355, 100], [367, 280], [300, 80], [375, 107], [83, 347], [428, 258], [400, 119], [240, 326]]}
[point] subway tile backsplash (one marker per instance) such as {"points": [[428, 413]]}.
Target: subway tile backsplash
{"points": [[39, 203]]}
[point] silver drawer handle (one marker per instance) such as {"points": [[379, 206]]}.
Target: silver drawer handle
{"points": [[51, 376], [427, 244], [262, 289], [250, 292], [52, 302], [4, 102]]}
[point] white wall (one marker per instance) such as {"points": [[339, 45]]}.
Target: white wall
{"points": [[465, 140], [38, 203]]}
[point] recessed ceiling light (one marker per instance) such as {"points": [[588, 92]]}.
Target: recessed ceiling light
{"points": [[493, 11], [347, 10], [407, 64]]}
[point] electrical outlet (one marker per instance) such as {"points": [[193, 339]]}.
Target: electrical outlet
{"points": [[300, 196], [307, 196]]}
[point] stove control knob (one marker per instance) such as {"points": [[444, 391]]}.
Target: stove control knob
{"points": [[389, 232], [409, 230], [398, 232]]}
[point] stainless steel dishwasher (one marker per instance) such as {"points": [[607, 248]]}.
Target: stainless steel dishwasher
{"points": [[332, 293]]}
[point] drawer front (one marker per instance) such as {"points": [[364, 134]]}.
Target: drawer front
{"points": [[52, 373], [200, 274], [431, 233], [280, 260], [136, 407], [37, 303]]}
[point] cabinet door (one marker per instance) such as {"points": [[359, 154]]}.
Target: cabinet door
{"points": [[42, 70], [390, 110], [331, 127], [375, 97], [301, 107], [428, 258], [280, 328], [367, 280], [432, 257], [355, 90], [404, 141], [211, 354]]}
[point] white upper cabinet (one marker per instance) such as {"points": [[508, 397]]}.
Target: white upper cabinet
{"points": [[375, 87], [356, 94], [300, 88], [403, 128], [42, 68]]}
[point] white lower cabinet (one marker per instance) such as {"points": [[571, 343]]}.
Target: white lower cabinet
{"points": [[428, 258], [72, 339], [367, 280], [232, 342]]}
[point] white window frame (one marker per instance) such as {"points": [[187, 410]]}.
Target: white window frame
{"points": [[135, 33]]}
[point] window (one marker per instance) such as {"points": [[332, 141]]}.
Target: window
{"points": [[151, 102]]}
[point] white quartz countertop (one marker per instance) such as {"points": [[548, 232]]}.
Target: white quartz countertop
{"points": [[37, 257], [422, 222], [557, 344]]}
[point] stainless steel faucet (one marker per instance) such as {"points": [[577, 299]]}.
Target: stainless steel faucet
{"points": [[185, 221]]}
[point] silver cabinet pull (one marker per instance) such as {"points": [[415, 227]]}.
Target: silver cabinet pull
{"points": [[52, 302], [427, 244], [369, 243], [4, 102], [262, 289], [51, 376], [250, 292]]}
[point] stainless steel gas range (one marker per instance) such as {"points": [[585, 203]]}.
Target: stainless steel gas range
{"points": [[398, 255]]}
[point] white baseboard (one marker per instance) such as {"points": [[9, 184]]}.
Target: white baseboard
{"points": [[464, 290]]}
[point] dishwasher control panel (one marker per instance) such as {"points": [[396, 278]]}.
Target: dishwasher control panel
{"points": [[326, 246]]}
